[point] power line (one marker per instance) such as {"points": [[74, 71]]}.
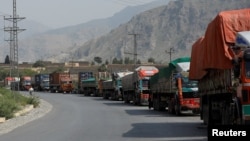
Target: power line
{"points": [[13, 39]]}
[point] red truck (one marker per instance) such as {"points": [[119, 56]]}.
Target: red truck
{"points": [[136, 87], [60, 82], [25, 83], [220, 62]]}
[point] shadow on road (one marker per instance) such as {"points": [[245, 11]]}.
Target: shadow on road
{"points": [[168, 131]]}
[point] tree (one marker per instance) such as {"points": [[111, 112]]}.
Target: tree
{"points": [[138, 61], [7, 60], [115, 61], [3, 73], [27, 72], [106, 62], [102, 68], [151, 60], [38, 63], [98, 60]]}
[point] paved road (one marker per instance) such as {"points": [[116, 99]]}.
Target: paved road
{"points": [[79, 118]]}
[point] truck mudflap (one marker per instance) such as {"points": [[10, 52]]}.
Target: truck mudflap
{"points": [[144, 99]]}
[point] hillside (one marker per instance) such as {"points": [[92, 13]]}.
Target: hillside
{"points": [[176, 25], [49, 43]]}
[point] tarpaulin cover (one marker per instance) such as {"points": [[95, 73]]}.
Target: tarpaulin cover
{"points": [[214, 52], [178, 65], [122, 74], [220, 31], [166, 72], [196, 71], [146, 71]]}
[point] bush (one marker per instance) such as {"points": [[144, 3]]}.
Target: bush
{"points": [[12, 101], [7, 109], [33, 101]]}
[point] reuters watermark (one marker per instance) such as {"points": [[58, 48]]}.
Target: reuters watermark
{"points": [[241, 132]]}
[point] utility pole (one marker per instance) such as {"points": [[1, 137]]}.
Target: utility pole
{"points": [[171, 50], [135, 48], [135, 56], [13, 31]]}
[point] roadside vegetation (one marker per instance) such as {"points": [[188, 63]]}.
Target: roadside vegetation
{"points": [[13, 101]]}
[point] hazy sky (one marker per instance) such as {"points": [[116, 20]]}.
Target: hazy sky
{"points": [[61, 13]]}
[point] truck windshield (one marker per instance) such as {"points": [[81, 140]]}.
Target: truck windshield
{"points": [[145, 83], [27, 82], [45, 83], [189, 83]]}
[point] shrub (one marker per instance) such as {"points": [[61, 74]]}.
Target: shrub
{"points": [[12, 101]]}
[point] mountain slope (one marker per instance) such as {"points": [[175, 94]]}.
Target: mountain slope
{"points": [[177, 25], [59, 41]]}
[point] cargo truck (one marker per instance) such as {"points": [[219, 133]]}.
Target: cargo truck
{"points": [[135, 86], [107, 88], [85, 78], [25, 83], [220, 62], [90, 83], [60, 82], [40, 82], [7, 81], [116, 78], [172, 89]]}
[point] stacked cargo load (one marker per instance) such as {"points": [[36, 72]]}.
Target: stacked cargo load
{"points": [[222, 68]]}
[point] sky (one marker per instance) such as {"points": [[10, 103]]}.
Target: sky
{"points": [[62, 13]]}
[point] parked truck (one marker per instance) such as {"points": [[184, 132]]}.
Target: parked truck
{"points": [[107, 88], [172, 89], [136, 87], [40, 82], [25, 83], [117, 84], [220, 62], [7, 81], [60, 82], [88, 79], [91, 83]]}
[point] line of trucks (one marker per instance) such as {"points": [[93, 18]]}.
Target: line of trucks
{"points": [[168, 87], [53, 82]]}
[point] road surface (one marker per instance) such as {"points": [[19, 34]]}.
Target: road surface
{"points": [[76, 117]]}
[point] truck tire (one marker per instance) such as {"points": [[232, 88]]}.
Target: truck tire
{"points": [[177, 109], [177, 106], [171, 107]]}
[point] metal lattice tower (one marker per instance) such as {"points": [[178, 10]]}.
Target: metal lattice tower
{"points": [[13, 31]]}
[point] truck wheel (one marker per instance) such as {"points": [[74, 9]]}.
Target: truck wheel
{"points": [[196, 111], [237, 111], [177, 106], [170, 107], [177, 109], [155, 104]]}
